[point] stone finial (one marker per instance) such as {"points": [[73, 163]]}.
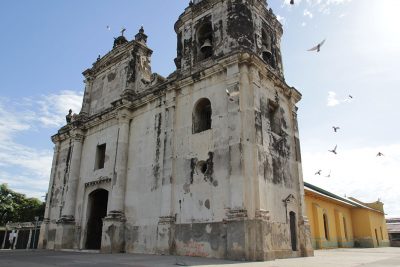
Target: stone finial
{"points": [[68, 118], [120, 40], [141, 36]]}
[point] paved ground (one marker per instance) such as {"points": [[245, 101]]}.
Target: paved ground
{"points": [[378, 257]]}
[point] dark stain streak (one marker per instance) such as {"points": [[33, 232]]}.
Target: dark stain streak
{"points": [[208, 175], [207, 204], [193, 163], [156, 165], [240, 23]]}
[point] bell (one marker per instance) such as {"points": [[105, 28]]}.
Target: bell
{"points": [[206, 46], [266, 52]]}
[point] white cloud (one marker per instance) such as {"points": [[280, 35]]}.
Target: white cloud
{"points": [[281, 19], [307, 13], [27, 168], [54, 107], [358, 173], [333, 101], [324, 6]]}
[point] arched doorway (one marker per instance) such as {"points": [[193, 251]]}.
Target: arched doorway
{"points": [[293, 234], [97, 210]]}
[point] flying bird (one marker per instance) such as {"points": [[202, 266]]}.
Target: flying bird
{"points": [[108, 28], [317, 47], [379, 154], [350, 96], [329, 175], [333, 150], [318, 172], [292, 2], [335, 128]]}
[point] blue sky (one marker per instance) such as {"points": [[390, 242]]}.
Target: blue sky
{"points": [[46, 44]]}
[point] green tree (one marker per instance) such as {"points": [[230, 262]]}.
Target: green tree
{"points": [[16, 207]]}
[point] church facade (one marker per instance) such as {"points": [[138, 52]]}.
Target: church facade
{"points": [[205, 162]]}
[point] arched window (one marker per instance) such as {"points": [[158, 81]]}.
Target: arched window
{"points": [[202, 115], [205, 41], [326, 229]]}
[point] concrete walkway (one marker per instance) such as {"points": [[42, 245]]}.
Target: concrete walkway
{"points": [[378, 257]]}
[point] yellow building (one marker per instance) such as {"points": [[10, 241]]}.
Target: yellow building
{"points": [[344, 222]]}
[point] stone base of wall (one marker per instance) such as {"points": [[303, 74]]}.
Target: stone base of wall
{"points": [[65, 235], [250, 240], [363, 243], [113, 236], [239, 239]]}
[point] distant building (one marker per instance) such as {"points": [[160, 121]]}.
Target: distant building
{"points": [[393, 226], [205, 162], [344, 222]]}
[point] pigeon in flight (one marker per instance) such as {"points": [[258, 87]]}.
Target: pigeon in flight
{"points": [[335, 128], [333, 150], [350, 96], [379, 154], [318, 172], [317, 47]]}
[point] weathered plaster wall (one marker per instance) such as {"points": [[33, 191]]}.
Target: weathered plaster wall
{"points": [[107, 86]]}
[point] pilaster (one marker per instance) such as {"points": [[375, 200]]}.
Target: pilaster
{"points": [[68, 212], [44, 228], [113, 236], [165, 235], [65, 233]]}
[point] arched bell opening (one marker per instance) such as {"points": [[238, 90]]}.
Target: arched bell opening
{"points": [[205, 41]]}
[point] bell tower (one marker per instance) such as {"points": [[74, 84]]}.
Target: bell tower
{"points": [[229, 60], [213, 29]]}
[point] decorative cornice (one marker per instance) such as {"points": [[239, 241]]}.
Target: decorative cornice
{"points": [[100, 180], [166, 220], [262, 215], [236, 215]]}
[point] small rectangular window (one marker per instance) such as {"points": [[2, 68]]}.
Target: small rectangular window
{"points": [[100, 157]]}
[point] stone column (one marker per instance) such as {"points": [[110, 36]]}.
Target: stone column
{"points": [[44, 229], [166, 222], [66, 225], [113, 225]]}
